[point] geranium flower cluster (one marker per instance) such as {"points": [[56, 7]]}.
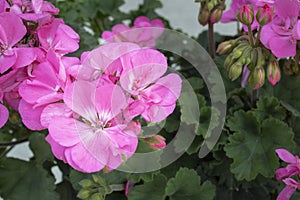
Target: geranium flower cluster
{"points": [[90, 105], [143, 32], [285, 174]]}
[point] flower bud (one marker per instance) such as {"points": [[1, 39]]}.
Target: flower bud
{"points": [[246, 15], [246, 73], [235, 71], [216, 15], [257, 78], [264, 15], [226, 47], [84, 194], [203, 16], [156, 142], [273, 72]]}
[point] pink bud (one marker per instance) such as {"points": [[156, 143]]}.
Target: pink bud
{"points": [[128, 186], [203, 16], [273, 72], [156, 142], [216, 16], [257, 78], [246, 15], [264, 14]]}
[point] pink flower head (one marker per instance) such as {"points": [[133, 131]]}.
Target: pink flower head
{"points": [[293, 168], [58, 37], [12, 30], [93, 140], [154, 96], [144, 32], [290, 188], [264, 14], [281, 35]]}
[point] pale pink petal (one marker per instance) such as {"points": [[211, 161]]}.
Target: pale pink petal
{"points": [[84, 160], [80, 97], [25, 56], [54, 110], [31, 116], [142, 21], [3, 115], [58, 150], [157, 113], [65, 131], [286, 156], [110, 101], [100, 58], [68, 155]]}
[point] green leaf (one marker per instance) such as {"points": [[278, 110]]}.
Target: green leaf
{"points": [[196, 83], [66, 191], [270, 107], [107, 7], [40, 148], [146, 177], [20, 179], [186, 185], [154, 190], [252, 146]]}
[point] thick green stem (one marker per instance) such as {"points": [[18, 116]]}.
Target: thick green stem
{"points": [[117, 187], [250, 33], [211, 40]]}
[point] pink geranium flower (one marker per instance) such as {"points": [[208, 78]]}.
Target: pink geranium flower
{"points": [[12, 30], [144, 32], [290, 188], [281, 35], [293, 168], [94, 140], [3, 111], [154, 96]]}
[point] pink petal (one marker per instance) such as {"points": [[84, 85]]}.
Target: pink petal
{"points": [[65, 131], [286, 156], [80, 97], [110, 100], [84, 160], [3, 115], [25, 56], [54, 110], [286, 193], [31, 116], [12, 29], [283, 47], [157, 113], [142, 21], [58, 150], [282, 173], [7, 61], [99, 59]]}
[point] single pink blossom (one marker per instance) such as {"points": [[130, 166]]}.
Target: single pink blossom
{"points": [[290, 188], [12, 30], [3, 111], [93, 140], [293, 168], [155, 96]]}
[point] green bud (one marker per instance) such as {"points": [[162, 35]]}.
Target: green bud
{"points": [[99, 180], [257, 78], [210, 5], [84, 194], [203, 16], [97, 196], [86, 183], [273, 72], [216, 15], [226, 47], [235, 71], [228, 62]]}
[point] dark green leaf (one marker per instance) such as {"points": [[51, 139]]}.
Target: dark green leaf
{"points": [[40, 148]]}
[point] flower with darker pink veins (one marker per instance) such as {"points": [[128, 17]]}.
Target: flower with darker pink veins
{"points": [[12, 31], [290, 188], [154, 96], [144, 32], [58, 37], [282, 34], [293, 168], [95, 139]]}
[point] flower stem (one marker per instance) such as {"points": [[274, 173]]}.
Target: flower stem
{"points": [[211, 40], [117, 187], [258, 36], [7, 144], [254, 97], [250, 33]]}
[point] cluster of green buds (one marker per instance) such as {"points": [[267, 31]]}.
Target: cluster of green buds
{"points": [[210, 11], [94, 189], [250, 62]]}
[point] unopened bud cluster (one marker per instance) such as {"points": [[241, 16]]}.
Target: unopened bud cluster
{"points": [[263, 15], [211, 11], [250, 62]]}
